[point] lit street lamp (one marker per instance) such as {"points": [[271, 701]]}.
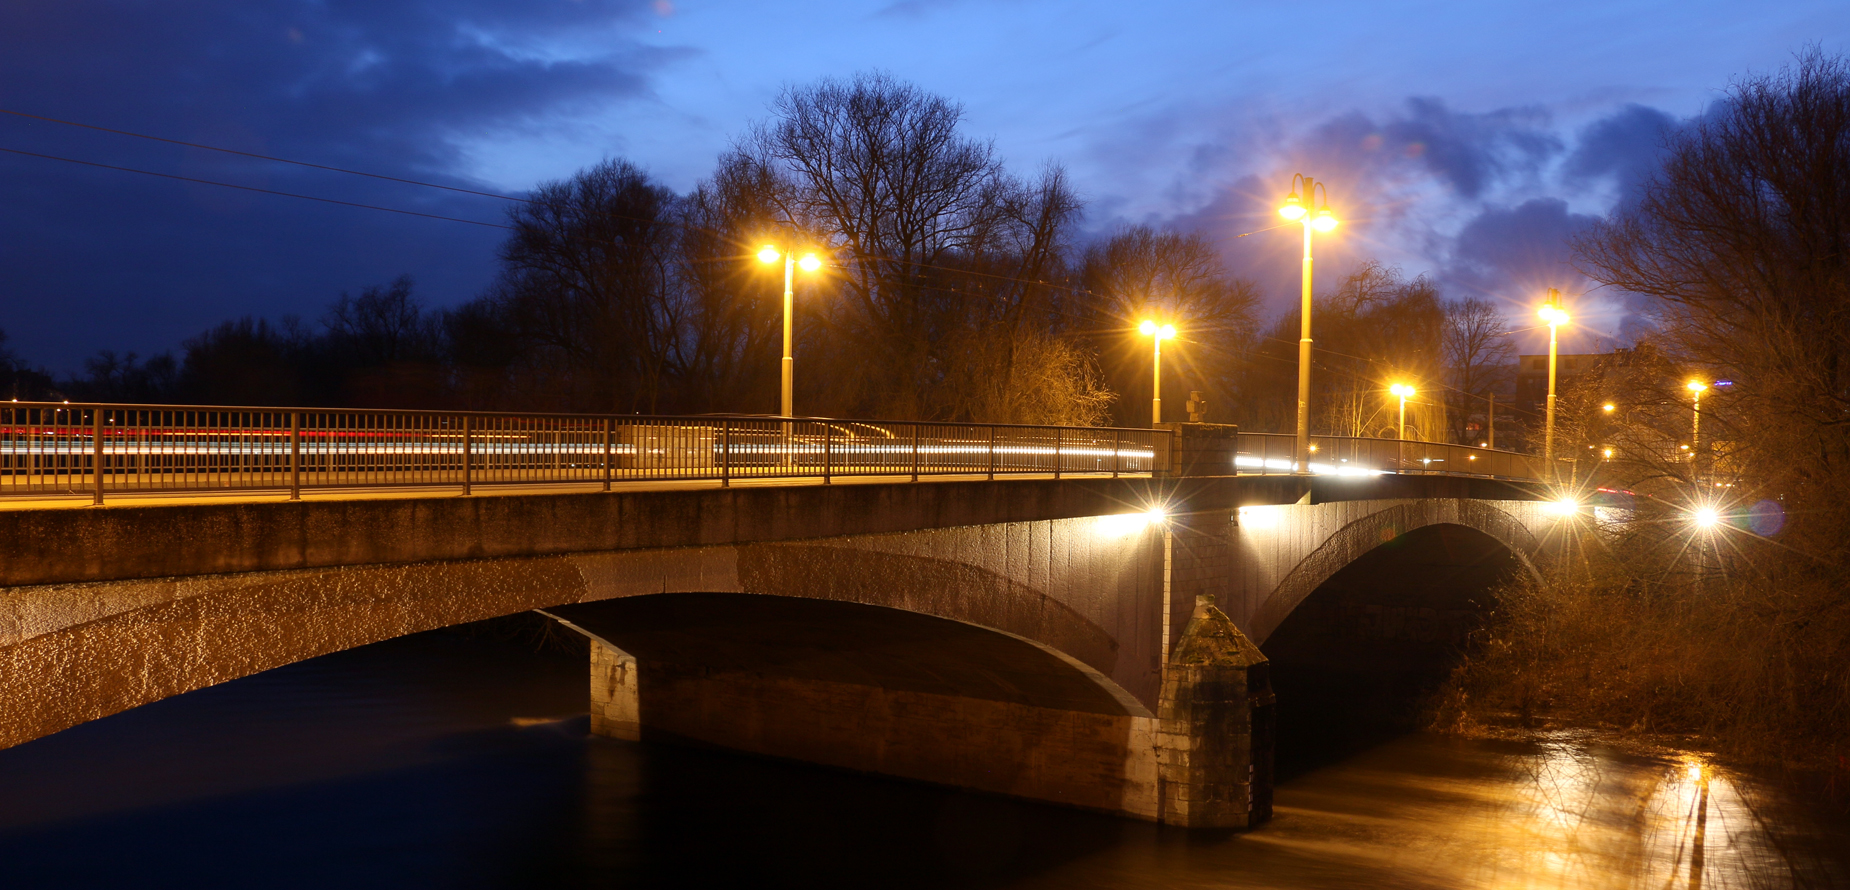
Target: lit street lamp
{"points": [[1696, 388], [1404, 391], [1157, 335], [1555, 316], [809, 263], [1296, 209]]}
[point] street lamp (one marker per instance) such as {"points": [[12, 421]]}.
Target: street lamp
{"points": [[1555, 316], [1297, 209], [809, 263], [1157, 335], [1405, 392], [1696, 388]]}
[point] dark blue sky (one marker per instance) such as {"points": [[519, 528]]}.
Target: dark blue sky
{"points": [[1465, 140]]}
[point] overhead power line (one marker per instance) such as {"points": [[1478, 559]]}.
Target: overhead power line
{"points": [[250, 188], [262, 157]]}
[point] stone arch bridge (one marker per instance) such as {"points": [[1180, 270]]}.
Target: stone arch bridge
{"points": [[1044, 638]]}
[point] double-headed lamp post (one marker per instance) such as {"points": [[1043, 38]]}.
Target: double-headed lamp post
{"points": [[809, 263], [1555, 316], [1296, 209], [1157, 334]]}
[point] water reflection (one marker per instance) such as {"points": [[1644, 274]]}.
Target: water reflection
{"points": [[444, 761]]}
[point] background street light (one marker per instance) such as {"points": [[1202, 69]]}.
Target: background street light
{"points": [[1696, 388], [1298, 209], [809, 263], [1555, 316], [1157, 335]]}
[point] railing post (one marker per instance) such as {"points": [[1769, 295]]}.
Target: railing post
{"points": [[1058, 435], [607, 435], [915, 452], [992, 454], [1117, 451], [725, 453], [466, 480], [827, 441], [295, 455], [96, 455]]}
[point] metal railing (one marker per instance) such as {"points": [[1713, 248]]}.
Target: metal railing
{"points": [[89, 449], [1271, 454]]}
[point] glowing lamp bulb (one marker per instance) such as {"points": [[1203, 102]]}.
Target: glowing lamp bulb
{"points": [[1168, 332], [1554, 315], [1402, 390], [1157, 514], [1705, 517], [1606, 407], [1148, 328], [1696, 386], [1324, 221], [1293, 209], [809, 263], [769, 254]]}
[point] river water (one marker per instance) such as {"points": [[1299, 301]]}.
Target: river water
{"points": [[456, 759]]}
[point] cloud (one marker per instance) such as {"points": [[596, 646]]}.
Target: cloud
{"points": [[1484, 202], [399, 88], [1627, 147]]}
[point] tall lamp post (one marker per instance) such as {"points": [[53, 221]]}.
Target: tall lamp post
{"points": [[1696, 388], [1555, 316], [809, 263], [1405, 392], [1157, 335], [1296, 209]]}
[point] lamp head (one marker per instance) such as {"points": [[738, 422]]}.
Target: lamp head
{"points": [[1168, 332], [1293, 209], [1554, 315], [769, 254], [1606, 407], [1401, 389], [1324, 221], [1696, 386], [1706, 517], [809, 263], [1148, 328]]}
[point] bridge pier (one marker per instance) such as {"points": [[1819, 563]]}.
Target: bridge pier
{"points": [[1202, 761], [1201, 758]]}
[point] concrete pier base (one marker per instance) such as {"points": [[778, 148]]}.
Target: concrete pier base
{"points": [[1198, 762]]}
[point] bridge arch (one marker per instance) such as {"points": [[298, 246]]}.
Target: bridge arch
{"points": [[1361, 534], [77, 652]]}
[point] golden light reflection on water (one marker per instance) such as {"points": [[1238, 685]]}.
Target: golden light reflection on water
{"points": [[1560, 815], [1427, 812]]}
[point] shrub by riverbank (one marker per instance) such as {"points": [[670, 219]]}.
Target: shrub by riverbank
{"points": [[1750, 668]]}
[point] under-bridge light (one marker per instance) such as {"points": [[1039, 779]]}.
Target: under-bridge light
{"points": [[1122, 524], [1562, 507], [1156, 514]]}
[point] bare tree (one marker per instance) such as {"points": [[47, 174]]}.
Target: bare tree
{"points": [[587, 276], [1170, 277], [1479, 357], [934, 243]]}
